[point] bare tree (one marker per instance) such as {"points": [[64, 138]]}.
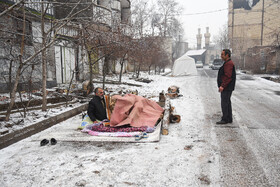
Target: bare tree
{"points": [[11, 7], [222, 38], [21, 64], [23, 60], [168, 9], [124, 46], [100, 45], [44, 63], [140, 17], [28, 82]]}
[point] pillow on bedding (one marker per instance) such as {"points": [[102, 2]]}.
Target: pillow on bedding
{"points": [[86, 121]]}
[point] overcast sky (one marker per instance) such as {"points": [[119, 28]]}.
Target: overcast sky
{"points": [[214, 21]]}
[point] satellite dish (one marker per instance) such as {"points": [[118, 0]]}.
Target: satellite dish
{"points": [[250, 3]]}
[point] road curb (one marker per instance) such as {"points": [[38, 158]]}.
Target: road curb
{"points": [[20, 134]]}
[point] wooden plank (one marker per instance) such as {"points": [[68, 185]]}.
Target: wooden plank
{"points": [[165, 120], [118, 83]]}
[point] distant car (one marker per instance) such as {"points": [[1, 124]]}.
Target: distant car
{"points": [[217, 63], [199, 64], [210, 64]]}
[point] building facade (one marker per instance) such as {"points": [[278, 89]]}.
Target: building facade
{"points": [[20, 39], [252, 23], [66, 58]]}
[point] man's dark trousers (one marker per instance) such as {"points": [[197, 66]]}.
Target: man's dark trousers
{"points": [[226, 106]]}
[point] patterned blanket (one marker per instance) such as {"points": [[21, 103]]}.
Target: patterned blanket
{"points": [[102, 129]]}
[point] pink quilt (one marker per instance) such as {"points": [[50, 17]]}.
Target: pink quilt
{"points": [[136, 111]]}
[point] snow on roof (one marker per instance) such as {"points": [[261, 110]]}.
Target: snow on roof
{"points": [[195, 52]]}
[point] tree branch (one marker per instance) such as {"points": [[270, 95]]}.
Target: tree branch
{"points": [[11, 8]]}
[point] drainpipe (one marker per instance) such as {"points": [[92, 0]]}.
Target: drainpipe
{"points": [[262, 23]]}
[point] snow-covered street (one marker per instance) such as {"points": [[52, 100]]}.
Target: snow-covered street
{"points": [[196, 152]]}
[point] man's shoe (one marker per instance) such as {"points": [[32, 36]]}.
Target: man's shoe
{"points": [[53, 141], [44, 142], [221, 122]]}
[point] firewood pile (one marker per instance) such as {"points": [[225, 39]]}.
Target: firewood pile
{"points": [[169, 116]]}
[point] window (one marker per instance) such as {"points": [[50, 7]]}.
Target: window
{"points": [[19, 31]]}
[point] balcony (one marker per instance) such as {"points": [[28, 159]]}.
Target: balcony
{"points": [[116, 5], [36, 5], [67, 31], [102, 15], [126, 16], [125, 3]]}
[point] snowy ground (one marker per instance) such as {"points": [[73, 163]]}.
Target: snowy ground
{"points": [[188, 156], [174, 161], [32, 116]]}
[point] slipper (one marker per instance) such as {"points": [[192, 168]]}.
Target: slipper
{"points": [[44, 142], [53, 141], [138, 137], [145, 135]]}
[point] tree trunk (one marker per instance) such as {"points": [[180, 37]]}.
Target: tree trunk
{"points": [[122, 63], [150, 69], [69, 87], [138, 71], [44, 63], [120, 78], [105, 70], [10, 78], [165, 25], [13, 93], [90, 87]]}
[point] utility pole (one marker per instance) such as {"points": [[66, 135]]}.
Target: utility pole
{"points": [[262, 24], [232, 26]]}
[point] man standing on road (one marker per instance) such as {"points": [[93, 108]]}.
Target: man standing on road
{"points": [[226, 83], [97, 107]]}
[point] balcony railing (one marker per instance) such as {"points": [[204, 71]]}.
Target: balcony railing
{"points": [[37, 5], [66, 31]]}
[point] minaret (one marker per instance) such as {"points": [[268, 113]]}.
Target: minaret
{"points": [[207, 38], [199, 38]]}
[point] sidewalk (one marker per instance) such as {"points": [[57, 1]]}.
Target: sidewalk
{"points": [[181, 158], [27, 131]]}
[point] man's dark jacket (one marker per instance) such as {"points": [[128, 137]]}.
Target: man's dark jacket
{"points": [[227, 76], [96, 110]]}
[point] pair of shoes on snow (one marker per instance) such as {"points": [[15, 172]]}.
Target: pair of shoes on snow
{"points": [[140, 136], [45, 142]]}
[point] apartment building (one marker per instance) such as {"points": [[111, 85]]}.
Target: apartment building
{"points": [[21, 38], [65, 57], [252, 23]]}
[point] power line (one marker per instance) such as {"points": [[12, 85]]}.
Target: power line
{"points": [[199, 13], [192, 14]]}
